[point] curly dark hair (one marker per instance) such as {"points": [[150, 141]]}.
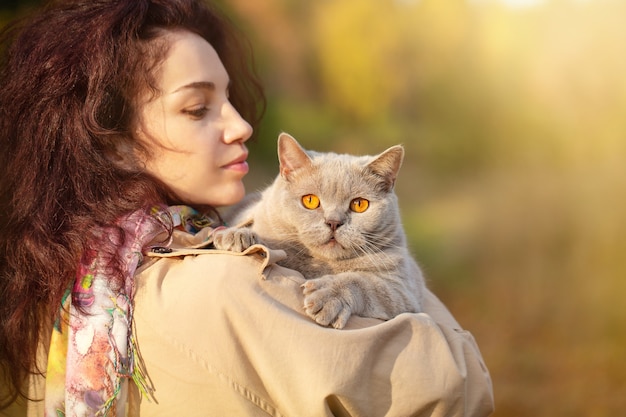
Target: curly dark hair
{"points": [[70, 76]]}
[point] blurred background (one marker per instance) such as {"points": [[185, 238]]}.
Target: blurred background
{"points": [[513, 190]]}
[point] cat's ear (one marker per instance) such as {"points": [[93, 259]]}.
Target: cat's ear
{"points": [[387, 165], [291, 155]]}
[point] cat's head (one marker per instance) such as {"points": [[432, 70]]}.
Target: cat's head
{"points": [[343, 206]]}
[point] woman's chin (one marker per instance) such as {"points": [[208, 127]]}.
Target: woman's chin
{"points": [[228, 197], [217, 196]]}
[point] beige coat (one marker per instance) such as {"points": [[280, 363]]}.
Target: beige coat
{"points": [[224, 334]]}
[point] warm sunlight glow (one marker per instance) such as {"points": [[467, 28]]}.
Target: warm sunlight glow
{"points": [[522, 3]]}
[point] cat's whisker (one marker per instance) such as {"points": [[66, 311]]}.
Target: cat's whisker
{"points": [[302, 251], [369, 250], [382, 241]]}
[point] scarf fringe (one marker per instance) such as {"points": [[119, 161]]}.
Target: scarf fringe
{"points": [[140, 375]]}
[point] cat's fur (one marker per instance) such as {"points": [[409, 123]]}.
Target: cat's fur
{"points": [[355, 263]]}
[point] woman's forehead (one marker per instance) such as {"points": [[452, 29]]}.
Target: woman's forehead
{"points": [[190, 60]]}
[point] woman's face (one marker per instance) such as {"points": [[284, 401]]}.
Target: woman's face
{"points": [[197, 138]]}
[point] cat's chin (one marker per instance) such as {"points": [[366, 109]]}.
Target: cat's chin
{"points": [[332, 244], [331, 250]]}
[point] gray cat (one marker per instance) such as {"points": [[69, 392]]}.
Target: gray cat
{"points": [[337, 218]]}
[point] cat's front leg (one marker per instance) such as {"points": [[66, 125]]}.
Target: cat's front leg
{"points": [[234, 239], [330, 300]]}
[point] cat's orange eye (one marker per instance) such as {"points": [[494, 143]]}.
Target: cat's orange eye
{"points": [[359, 205], [311, 201]]}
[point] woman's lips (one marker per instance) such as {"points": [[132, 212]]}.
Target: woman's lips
{"points": [[239, 164]]}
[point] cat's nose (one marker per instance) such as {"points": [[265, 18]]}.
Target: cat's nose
{"points": [[334, 224]]}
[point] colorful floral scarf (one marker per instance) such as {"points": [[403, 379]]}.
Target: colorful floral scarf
{"points": [[93, 352]]}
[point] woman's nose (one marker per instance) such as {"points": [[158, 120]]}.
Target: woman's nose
{"points": [[235, 127]]}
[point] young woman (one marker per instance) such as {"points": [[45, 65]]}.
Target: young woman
{"points": [[123, 125]]}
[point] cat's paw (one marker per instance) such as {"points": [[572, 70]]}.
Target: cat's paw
{"points": [[327, 302], [234, 239]]}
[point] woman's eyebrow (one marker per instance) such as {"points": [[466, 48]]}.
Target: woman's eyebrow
{"points": [[205, 85]]}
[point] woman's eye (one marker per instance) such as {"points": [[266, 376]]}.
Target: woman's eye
{"points": [[311, 201], [196, 112], [359, 205]]}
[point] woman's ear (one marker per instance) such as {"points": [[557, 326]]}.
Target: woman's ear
{"points": [[124, 154]]}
